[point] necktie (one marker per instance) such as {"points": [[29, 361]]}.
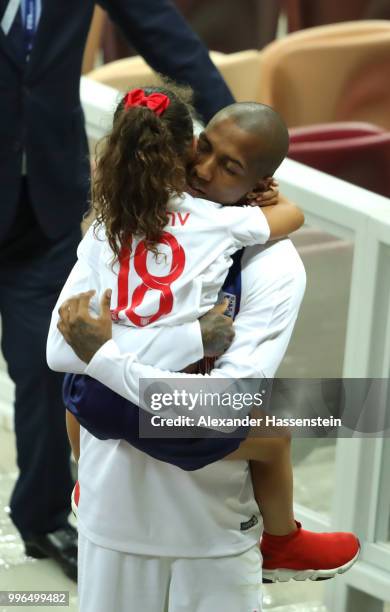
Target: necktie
{"points": [[30, 23]]}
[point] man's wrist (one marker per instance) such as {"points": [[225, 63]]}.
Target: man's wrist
{"points": [[108, 350], [192, 337], [217, 334]]}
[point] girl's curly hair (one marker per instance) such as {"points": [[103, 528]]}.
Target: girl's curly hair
{"points": [[140, 165]]}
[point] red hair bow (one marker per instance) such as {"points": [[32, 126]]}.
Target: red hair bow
{"points": [[157, 102]]}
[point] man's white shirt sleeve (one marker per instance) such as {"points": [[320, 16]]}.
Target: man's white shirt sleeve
{"points": [[83, 277]]}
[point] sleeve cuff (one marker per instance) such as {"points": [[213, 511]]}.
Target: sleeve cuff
{"points": [[191, 342], [262, 223], [108, 364], [101, 364], [251, 226]]}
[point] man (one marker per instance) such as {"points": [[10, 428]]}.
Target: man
{"points": [[197, 548], [44, 173], [208, 514]]}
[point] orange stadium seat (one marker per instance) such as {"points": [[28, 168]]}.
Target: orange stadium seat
{"points": [[305, 75], [241, 71]]}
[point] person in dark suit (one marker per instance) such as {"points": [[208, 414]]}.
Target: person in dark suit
{"points": [[44, 174]]}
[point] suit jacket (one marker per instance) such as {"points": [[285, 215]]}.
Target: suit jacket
{"points": [[40, 109]]}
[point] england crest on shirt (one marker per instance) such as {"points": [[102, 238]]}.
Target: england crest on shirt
{"points": [[231, 309]]}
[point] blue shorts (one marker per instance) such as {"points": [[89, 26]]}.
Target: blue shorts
{"points": [[107, 415]]}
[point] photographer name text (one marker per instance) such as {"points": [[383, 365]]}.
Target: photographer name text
{"points": [[247, 421]]}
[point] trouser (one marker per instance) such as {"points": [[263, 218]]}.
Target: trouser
{"points": [[33, 270], [113, 580]]}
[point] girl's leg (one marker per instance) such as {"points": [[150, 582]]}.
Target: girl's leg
{"points": [[272, 479], [273, 486], [288, 550], [73, 429]]}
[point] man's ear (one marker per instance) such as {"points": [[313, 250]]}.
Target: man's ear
{"points": [[257, 190], [261, 186]]}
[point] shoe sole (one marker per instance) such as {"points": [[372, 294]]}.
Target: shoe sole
{"points": [[285, 575], [35, 552], [73, 504]]}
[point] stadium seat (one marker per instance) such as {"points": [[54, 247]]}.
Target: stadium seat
{"points": [[367, 95], [355, 152], [241, 71], [305, 75]]}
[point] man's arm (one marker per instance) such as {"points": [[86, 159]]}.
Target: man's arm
{"points": [[190, 339], [187, 337], [167, 43], [209, 336], [59, 355], [273, 281]]}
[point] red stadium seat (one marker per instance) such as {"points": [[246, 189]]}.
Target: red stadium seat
{"points": [[355, 152]]}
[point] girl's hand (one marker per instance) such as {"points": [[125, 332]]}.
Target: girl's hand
{"points": [[266, 193]]}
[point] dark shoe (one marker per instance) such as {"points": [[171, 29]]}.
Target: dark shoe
{"points": [[60, 545]]}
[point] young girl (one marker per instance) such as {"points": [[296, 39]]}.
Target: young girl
{"points": [[164, 253]]}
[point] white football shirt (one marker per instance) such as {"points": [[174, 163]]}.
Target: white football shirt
{"points": [[182, 282]]}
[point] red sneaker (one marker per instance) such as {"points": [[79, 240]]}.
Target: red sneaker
{"points": [[75, 498], [306, 555]]}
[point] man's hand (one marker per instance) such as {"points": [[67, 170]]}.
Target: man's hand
{"points": [[85, 334], [217, 330]]}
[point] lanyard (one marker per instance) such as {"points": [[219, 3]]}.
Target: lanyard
{"points": [[30, 22]]}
